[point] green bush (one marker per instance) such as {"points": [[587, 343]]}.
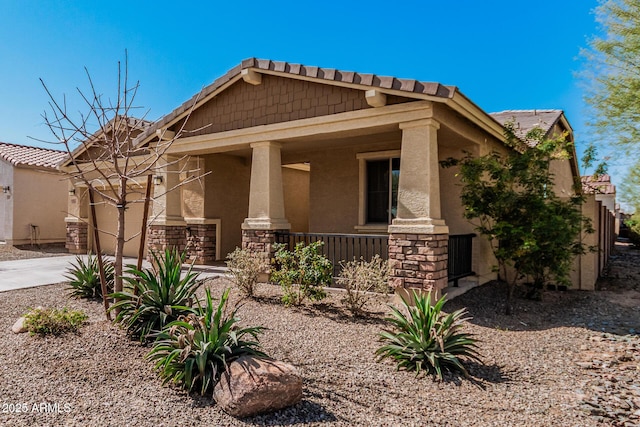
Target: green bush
{"points": [[84, 277], [360, 279], [634, 230], [52, 321], [195, 350], [246, 266], [152, 298], [301, 274], [427, 339]]}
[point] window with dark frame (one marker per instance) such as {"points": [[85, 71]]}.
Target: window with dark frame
{"points": [[382, 190]]}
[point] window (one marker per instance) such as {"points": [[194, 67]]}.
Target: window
{"points": [[379, 176], [382, 190]]}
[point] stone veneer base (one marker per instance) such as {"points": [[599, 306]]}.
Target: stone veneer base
{"points": [[77, 237], [418, 261]]}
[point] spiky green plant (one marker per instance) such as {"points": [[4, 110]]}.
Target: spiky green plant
{"points": [[84, 277], [152, 298], [195, 350], [427, 339]]}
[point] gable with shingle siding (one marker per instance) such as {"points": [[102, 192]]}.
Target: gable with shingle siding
{"points": [[275, 100]]}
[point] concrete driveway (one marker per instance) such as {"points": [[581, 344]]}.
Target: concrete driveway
{"points": [[27, 273]]}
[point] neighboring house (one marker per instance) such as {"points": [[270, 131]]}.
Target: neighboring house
{"points": [[607, 219], [297, 152], [33, 200]]}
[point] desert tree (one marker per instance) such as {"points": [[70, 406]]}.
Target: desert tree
{"points": [[511, 201], [104, 155]]}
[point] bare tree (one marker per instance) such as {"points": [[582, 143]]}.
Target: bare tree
{"points": [[103, 154]]}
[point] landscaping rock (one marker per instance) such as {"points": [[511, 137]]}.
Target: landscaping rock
{"points": [[19, 327], [255, 385]]}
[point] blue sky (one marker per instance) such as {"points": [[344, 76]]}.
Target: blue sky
{"points": [[501, 54]]}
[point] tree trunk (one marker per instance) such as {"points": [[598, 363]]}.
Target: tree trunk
{"points": [[117, 267]]}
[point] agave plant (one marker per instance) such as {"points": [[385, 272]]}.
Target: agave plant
{"points": [[195, 350], [427, 339], [84, 277], [152, 298]]}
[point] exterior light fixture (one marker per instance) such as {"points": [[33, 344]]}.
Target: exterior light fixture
{"points": [[72, 192], [157, 180], [6, 189]]}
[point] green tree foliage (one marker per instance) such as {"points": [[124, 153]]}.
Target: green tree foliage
{"points": [[510, 198], [614, 73]]}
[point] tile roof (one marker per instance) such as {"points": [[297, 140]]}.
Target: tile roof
{"points": [[600, 184], [525, 120], [24, 155], [320, 74]]}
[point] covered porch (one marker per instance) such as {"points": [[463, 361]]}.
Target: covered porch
{"points": [[368, 178]]}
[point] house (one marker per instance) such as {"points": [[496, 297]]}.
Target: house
{"points": [[34, 195], [602, 195], [297, 152]]}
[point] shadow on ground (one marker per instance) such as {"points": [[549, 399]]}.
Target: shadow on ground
{"points": [[613, 308]]}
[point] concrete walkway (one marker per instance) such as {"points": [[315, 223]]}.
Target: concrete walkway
{"points": [[27, 273]]}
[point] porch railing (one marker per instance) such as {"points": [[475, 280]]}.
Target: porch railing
{"points": [[345, 247], [341, 247], [460, 257]]}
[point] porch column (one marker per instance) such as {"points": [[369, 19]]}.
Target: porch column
{"points": [[266, 199], [77, 221], [418, 236], [168, 228]]}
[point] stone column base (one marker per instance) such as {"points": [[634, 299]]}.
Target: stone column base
{"points": [[418, 261], [77, 237], [163, 237], [260, 240], [201, 243]]}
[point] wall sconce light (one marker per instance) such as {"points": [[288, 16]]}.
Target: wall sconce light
{"points": [[157, 180], [6, 189], [72, 192]]}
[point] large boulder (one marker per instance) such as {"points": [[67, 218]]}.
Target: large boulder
{"points": [[254, 385]]}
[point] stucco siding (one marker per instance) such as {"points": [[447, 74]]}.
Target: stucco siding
{"points": [[6, 202], [39, 200], [295, 185], [227, 197]]}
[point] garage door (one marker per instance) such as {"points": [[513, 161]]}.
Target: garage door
{"points": [[107, 217]]}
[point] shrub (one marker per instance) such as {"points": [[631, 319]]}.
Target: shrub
{"points": [[246, 266], [84, 277], [52, 321], [152, 298], [360, 279], [302, 273], [195, 350], [427, 339]]}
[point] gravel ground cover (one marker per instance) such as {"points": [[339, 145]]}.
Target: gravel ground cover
{"points": [[572, 359], [11, 253]]}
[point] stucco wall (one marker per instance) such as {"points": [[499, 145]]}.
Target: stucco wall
{"points": [[295, 185], [40, 199], [563, 178], [227, 197], [6, 201]]}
